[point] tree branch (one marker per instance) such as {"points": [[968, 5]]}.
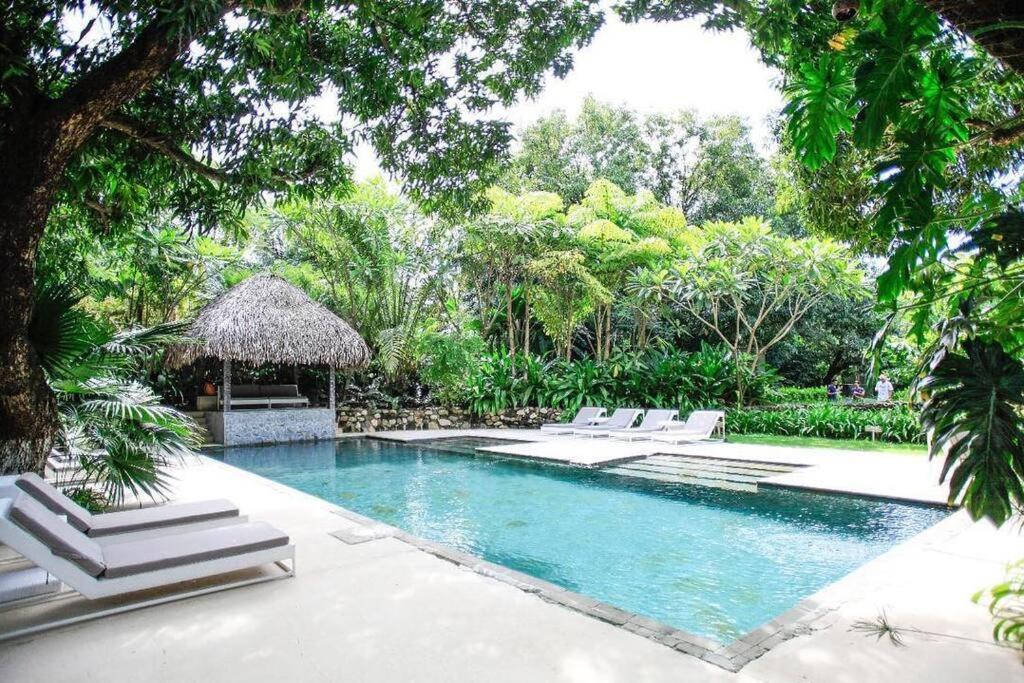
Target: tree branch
{"points": [[160, 143], [102, 91]]}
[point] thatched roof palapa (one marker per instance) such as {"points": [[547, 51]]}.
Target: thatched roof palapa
{"points": [[266, 319]]}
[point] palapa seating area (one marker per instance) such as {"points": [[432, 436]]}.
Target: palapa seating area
{"points": [[263, 320]]}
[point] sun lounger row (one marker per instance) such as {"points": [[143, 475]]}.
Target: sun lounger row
{"points": [[117, 553], [657, 424]]}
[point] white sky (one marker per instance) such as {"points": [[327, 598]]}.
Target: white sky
{"points": [[654, 67]]}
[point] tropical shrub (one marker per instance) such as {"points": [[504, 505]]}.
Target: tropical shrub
{"points": [[802, 396], [658, 378], [445, 359], [900, 425], [1005, 602], [111, 420], [791, 395]]}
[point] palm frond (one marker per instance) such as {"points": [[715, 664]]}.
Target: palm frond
{"points": [[60, 332], [145, 340]]}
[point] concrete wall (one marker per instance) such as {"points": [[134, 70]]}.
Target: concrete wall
{"points": [[241, 427]]}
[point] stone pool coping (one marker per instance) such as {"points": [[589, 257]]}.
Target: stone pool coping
{"points": [[798, 620]]}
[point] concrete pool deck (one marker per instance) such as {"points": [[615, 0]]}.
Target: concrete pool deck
{"points": [[376, 608]]}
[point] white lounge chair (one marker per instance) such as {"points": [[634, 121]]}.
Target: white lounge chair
{"points": [[622, 418], [654, 421], [698, 427], [129, 524], [584, 418], [103, 571]]}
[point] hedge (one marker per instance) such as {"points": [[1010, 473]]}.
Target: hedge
{"points": [[898, 424]]}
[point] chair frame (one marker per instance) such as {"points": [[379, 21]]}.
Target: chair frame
{"points": [[94, 588]]}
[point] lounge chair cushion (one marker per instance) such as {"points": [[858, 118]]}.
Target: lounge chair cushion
{"points": [[53, 532], [152, 554], [55, 501], [160, 516]]}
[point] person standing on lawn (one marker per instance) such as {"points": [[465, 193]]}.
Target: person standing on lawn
{"points": [[883, 388], [858, 391], [832, 390]]}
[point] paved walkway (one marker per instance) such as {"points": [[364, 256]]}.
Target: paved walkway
{"points": [[381, 610]]}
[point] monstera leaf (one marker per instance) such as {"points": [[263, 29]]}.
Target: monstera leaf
{"points": [[973, 416], [1001, 236], [820, 109]]}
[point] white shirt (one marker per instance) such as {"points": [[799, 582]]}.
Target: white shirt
{"points": [[884, 389]]}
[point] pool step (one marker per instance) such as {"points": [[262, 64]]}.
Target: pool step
{"points": [[693, 471], [736, 475], [681, 479], [756, 468]]}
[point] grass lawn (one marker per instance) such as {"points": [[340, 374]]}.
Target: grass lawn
{"points": [[815, 442]]}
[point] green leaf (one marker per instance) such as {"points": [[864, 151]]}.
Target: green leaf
{"points": [[972, 415], [895, 39], [820, 108], [1001, 237]]}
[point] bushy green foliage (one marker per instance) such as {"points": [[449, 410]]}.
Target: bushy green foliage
{"points": [[708, 168], [657, 379], [787, 395], [1005, 602], [749, 286], [446, 357], [111, 421], [899, 424]]}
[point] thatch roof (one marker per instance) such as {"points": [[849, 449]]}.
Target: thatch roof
{"points": [[266, 319]]}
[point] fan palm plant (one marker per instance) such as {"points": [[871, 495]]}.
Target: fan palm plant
{"points": [[111, 422]]}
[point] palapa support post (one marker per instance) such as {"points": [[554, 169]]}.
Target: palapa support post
{"points": [[227, 384], [331, 394]]}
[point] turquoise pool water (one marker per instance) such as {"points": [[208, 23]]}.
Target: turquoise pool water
{"points": [[712, 562]]}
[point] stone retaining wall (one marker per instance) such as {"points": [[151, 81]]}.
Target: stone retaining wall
{"points": [[361, 419]]}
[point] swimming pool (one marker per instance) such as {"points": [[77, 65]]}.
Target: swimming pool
{"points": [[713, 562]]}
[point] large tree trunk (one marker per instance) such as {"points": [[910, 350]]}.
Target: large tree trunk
{"points": [[30, 171], [977, 19], [41, 137]]}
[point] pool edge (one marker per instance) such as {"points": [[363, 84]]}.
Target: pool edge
{"points": [[798, 620], [731, 657]]}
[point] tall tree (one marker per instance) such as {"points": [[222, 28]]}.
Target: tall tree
{"points": [[938, 120], [708, 167], [568, 293], [202, 106], [621, 234], [496, 250], [564, 157], [750, 287], [379, 262]]}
